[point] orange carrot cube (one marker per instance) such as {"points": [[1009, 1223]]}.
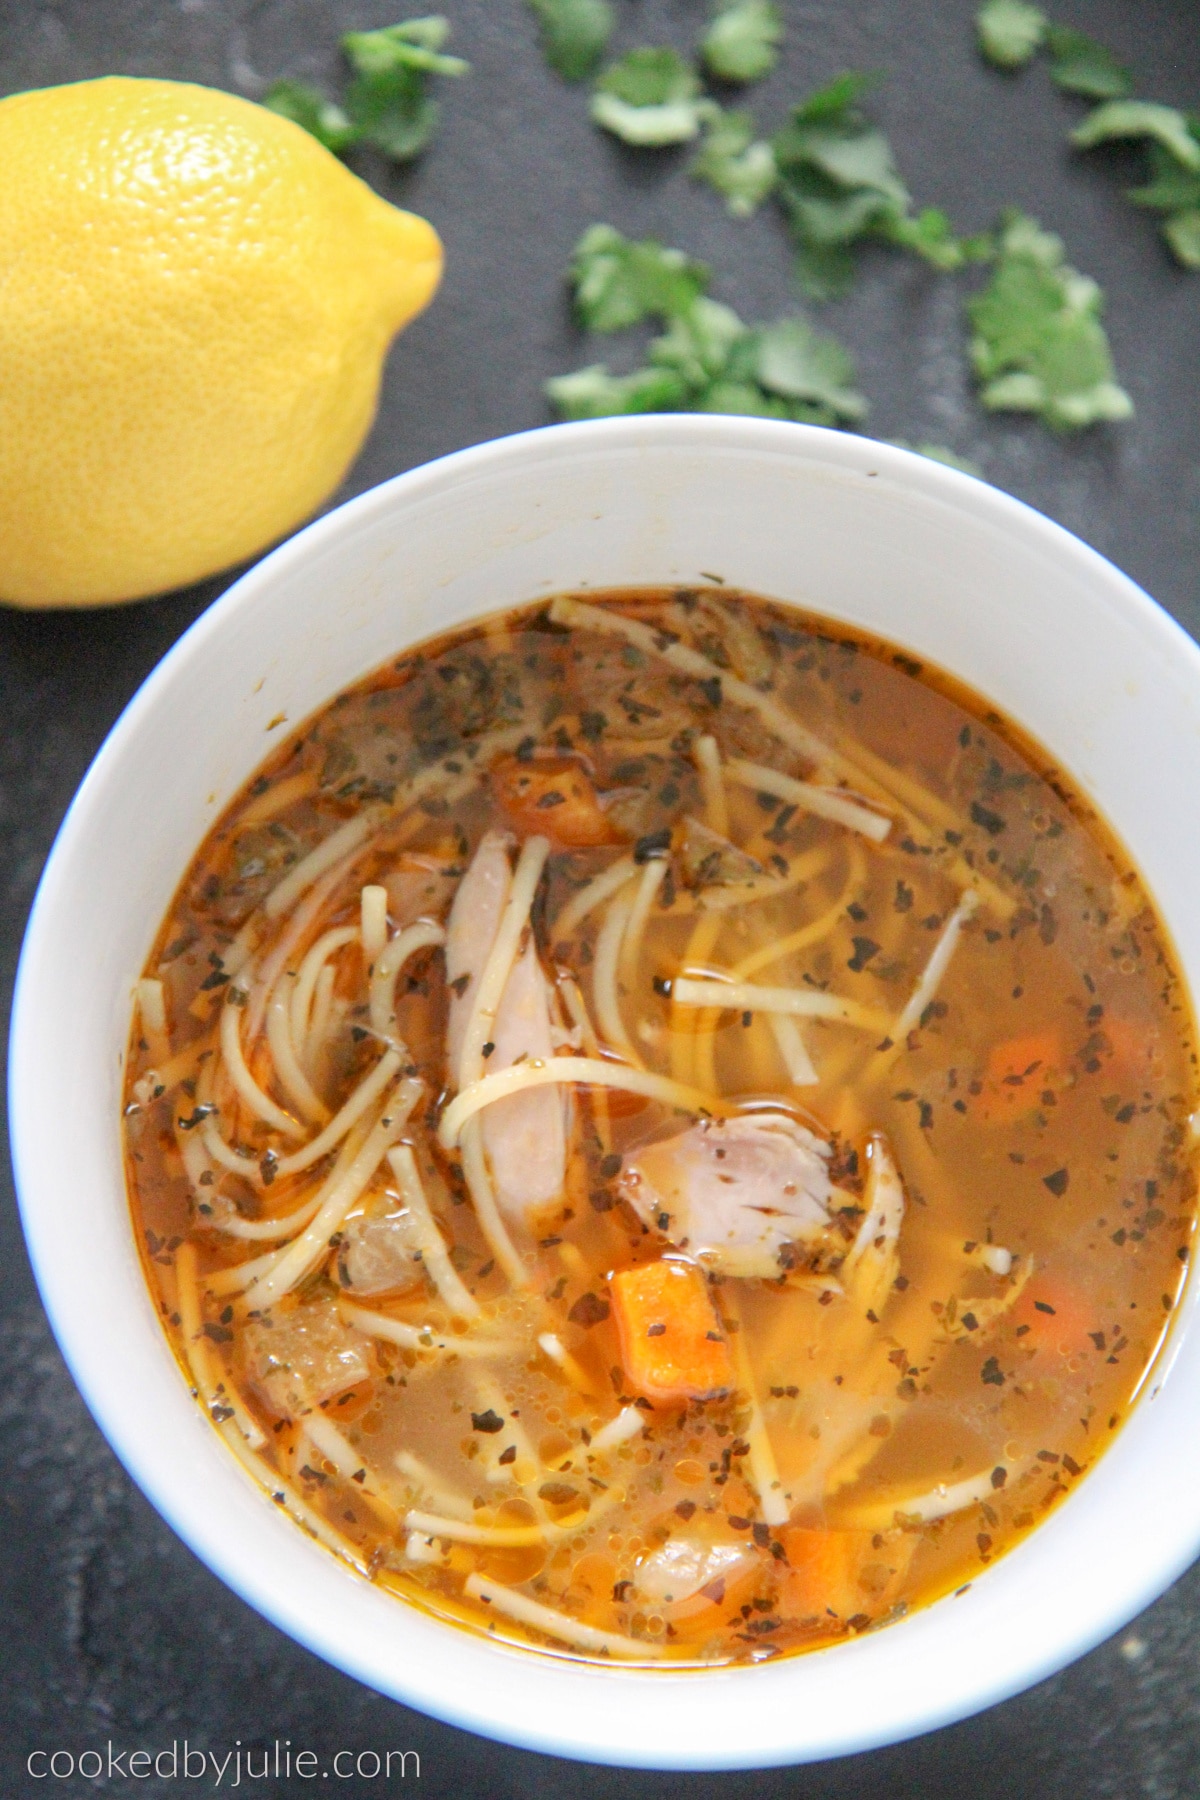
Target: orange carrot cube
{"points": [[844, 1573], [554, 797], [1017, 1071], [672, 1342]]}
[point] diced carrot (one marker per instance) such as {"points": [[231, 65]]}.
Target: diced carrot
{"points": [[847, 1573], [1017, 1072], [672, 1343], [1128, 1047], [1053, 1315], [554, 796]]}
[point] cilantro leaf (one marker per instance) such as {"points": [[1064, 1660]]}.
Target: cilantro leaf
{"points": [[1174, 154], [1171, 187], [1141, 119], [651, 98], [1009, 32], [707, 359], [930, 236], [742, 43], [308, 107], [836, 175], [698, 343], [387, 103], [1182, 232], [393, 113], [413, 44], [593, 393], [618, 282], [1079, 65], [838, 183], [1037, 342], [824, 271], [736, 163], [798, 364], [574, 33]]}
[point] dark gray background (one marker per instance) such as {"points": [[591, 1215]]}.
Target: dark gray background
{"points": [[108, 1626]]}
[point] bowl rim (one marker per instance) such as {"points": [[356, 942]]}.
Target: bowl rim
{"points": [[478, 1711]]}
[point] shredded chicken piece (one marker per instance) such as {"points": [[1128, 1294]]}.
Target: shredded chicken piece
{"points": [[419, 887], [471, 932], [710, 860], [736, 1193], [380, 1255], [873, 1260], [524, 1136], [304, 1358], [684, 1568]]}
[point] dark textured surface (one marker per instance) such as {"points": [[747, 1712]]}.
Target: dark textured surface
{"points": [[108, 1626]]}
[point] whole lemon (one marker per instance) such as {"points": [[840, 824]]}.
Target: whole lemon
{"points": [[195, 302]]}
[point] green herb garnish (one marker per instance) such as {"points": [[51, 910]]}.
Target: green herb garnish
{"points": [[388, 102], [574, 33], [736, 163], [593, 393], [387, 105], [1141, 119], [742, 43], [707, 359], [1079, 65], [308, 107], [617, 282], [1010, 32], [1172, 140], [1037, 343], [651, 98], [838, 184]]}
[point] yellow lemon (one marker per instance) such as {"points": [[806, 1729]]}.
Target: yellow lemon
{"points": [[195, 304]]}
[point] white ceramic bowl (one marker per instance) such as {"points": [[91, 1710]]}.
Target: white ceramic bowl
{"points": [[880, 538]]}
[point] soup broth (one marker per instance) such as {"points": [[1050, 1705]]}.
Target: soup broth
{"points": [[661, 1129]]}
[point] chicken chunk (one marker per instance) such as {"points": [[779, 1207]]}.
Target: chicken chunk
{"points": [[688, 1573], [380, 1255], [736, 1194], [304, 1358]]}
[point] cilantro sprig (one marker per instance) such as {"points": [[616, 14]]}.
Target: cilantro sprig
{"points": [[735, 161], [388, 105], [1011, 32], [742, 43], [1172, 141], [706, 359], [1079, 65], [650, 98], [838, 184], [1037, 343], [574, 34]]}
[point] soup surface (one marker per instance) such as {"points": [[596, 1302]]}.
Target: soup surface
{"points": [[660, 1129]]}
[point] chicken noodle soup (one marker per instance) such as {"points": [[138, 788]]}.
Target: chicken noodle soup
{"points": [[661, 1130]]}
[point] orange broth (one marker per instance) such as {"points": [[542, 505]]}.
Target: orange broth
{"points": [[822, 1465]]}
